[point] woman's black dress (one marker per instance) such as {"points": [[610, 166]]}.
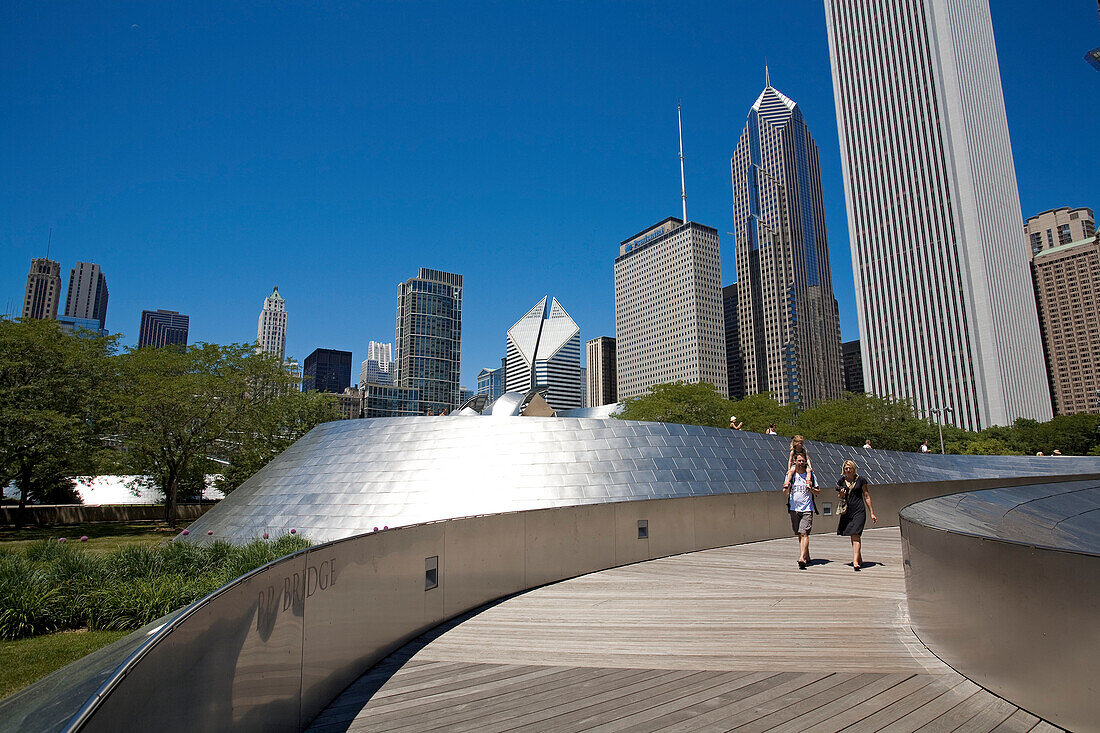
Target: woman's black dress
{"points": [[852, 521]]}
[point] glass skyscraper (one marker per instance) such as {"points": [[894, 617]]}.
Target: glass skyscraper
{"points": [[788, 320], [429, 338]]}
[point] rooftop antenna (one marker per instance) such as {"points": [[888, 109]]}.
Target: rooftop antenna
{"points": [[767, 77], [683, 188]]}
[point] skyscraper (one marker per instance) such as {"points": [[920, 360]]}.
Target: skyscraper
{"points": [[853, 367], [668, 308], [1059, 226], [490, 382], [163, 328], [43, 289], [1067, 289], [271, 330], [377, 368], [735, 365], [788, 320], [544, 348], [600, 358], [87, 296], [946, 309], [327, 370], [429, 338]]}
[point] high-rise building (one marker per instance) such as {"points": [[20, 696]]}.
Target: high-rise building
{"points": [[429, 338], [271, 330], [544, 348], [327, 370], [735, 365], [600, 377], [668, 308], [377, 368], [946, 309], [1059, 226], [163, 328], [43, 289], [349, 404], [87, 296], [1067, 290], [788, 320], [383, 400], [83, 327], [853, 366], [490, 382]]}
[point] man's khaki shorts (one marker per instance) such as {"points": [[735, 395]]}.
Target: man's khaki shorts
{"points": [[801, 522]]}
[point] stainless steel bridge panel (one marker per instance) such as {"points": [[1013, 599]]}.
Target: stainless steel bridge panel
{"points": [[1004, 586], [350, 476]]}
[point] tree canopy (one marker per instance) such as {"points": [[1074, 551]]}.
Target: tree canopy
{"points": [[677, 402], [51, 406], [854, 418], [72, 405]]}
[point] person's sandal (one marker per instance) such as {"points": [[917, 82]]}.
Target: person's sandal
{"points": [[801, 565]]}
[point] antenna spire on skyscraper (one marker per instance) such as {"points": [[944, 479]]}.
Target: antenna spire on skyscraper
{"points": [[767, 77], [683, 187]]}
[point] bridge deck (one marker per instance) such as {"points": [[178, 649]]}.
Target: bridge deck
{"points": [[733, 638]]}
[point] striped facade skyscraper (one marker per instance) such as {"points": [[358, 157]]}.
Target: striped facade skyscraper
{"points": [[43, 289], [271, 331], [788, 320], [946, 309], [544, 348], [668, 308]]}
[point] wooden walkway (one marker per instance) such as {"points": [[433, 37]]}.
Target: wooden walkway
{"points": [[731, 639]]}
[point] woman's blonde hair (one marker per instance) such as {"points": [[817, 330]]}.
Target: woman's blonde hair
{"points": [[851, 463]]}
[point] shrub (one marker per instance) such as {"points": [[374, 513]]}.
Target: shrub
{"points": [[50, 585]]}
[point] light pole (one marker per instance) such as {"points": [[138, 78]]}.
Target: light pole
{"points": [[942, 411]]}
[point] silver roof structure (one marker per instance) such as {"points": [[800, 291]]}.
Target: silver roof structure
{"points": [[352, 476]]}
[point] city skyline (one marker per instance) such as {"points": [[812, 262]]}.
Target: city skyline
{"points": [[157, 206]]}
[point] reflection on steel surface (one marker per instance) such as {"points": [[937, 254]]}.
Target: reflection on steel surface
{"points": [[350, 476], [1004, 584]]}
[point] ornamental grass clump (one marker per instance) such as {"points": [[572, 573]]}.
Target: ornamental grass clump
{"points": [[51, 586]]}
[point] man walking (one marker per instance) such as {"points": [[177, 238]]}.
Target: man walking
{"points": [[800, 491]]}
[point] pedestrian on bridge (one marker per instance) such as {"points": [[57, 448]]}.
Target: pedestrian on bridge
{"points": [[855, 504], [800, 490]]}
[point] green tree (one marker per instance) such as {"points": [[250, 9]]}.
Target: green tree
{"points": [[50, 405], [678, 402], [273, 426], [855, 418], [178, 408], [759, 411]]}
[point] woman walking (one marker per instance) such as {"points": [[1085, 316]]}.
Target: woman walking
{"points": [[855, 500]]}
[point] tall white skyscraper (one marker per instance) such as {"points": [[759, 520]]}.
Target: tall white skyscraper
{"points": [[544, 348], [946, 309], [789, 324], [377, 368], [87, 296], [668, 308], [271, 332]]}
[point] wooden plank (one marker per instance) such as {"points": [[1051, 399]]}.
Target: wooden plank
{"points": [[1020, 721], [735, 636]]}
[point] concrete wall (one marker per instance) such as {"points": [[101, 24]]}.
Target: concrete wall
{"points": [[78, 513]]}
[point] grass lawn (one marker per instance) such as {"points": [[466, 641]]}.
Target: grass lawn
{"points": [[102, 536], [26, 660]]}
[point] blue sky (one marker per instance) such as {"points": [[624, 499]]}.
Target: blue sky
{"points": [[202, 152]]}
